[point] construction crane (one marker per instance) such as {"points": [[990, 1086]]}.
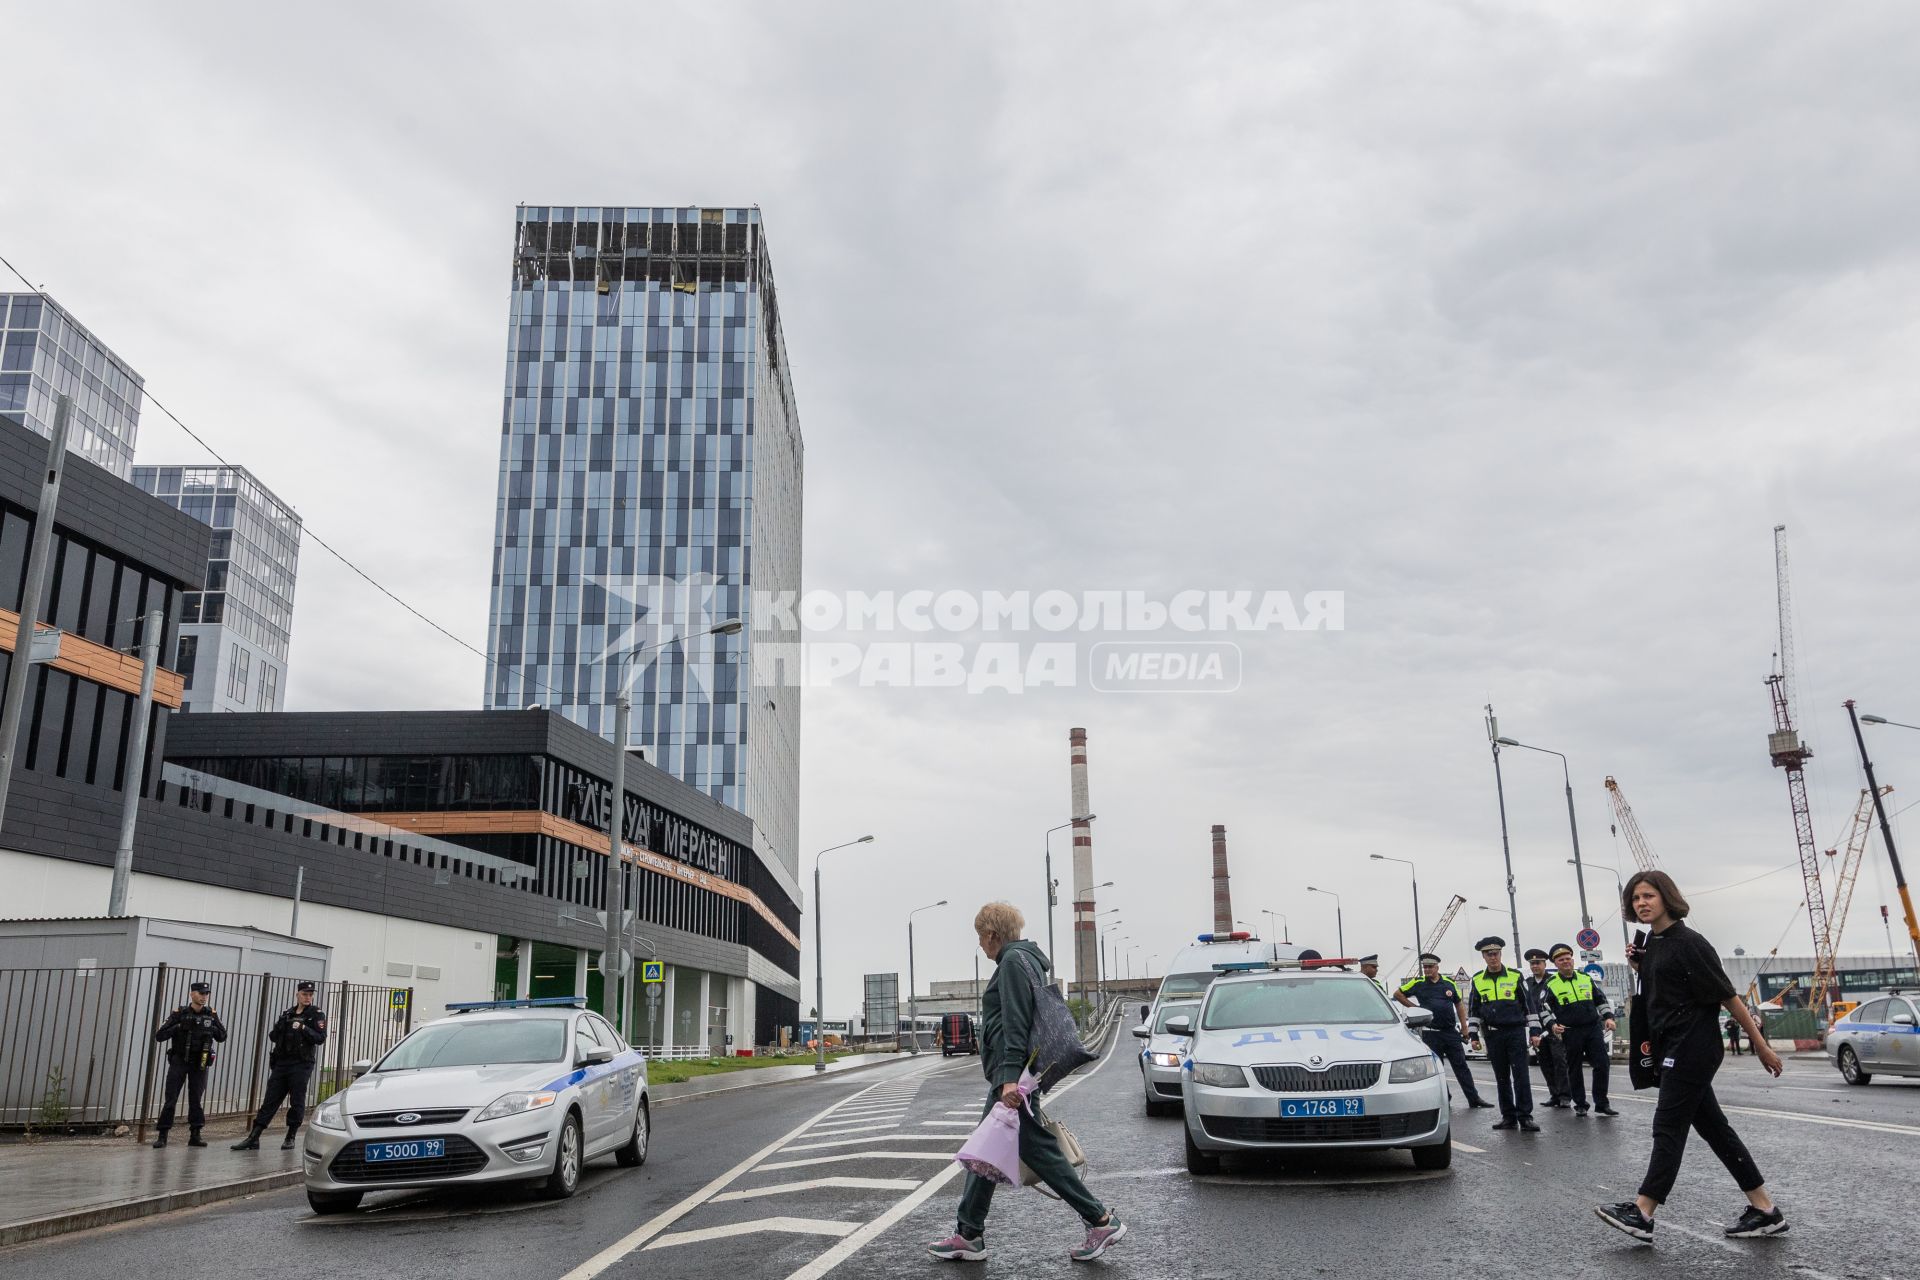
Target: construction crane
{"points": [[1438, 931], [1623, 824], [1846, 872], [1789, 753]]}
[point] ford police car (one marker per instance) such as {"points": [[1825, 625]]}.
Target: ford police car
{"points": [[1293, 1056], [1880, 1037], [1160, 1073], [502, 1091]]}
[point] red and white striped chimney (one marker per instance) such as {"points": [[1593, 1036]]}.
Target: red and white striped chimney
{"points": [[1222, 896], [1085, 958]]}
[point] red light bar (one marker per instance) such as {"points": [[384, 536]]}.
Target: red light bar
{"points": [[1225, 937]]}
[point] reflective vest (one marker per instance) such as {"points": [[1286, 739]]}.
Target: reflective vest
{"points": [[1575, 990], [1504, 987], [1502, 1003]]}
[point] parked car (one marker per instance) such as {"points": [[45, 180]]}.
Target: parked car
{"points": [[957, 1035], [1880, 1037]]}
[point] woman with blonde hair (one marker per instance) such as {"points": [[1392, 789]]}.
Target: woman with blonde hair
{"points": [[1006, 1029]]}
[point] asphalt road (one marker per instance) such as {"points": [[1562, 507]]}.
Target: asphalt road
{"points": [[851, 1177]]}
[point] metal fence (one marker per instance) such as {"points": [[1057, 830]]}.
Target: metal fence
{"points": [[77, 1050]]}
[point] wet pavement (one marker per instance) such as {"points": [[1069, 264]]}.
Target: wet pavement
{"points": [[851, 1176]]}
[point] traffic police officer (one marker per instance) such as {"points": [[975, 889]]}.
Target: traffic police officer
{"points": [[295, 1036], [1446, 1034], [1499, 1001], [1576, 1010], [1370, 965], [1552, 1054], [190, 1032]]}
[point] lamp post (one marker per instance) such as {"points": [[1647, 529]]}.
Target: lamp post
{"points": [[1506, 848], [1573, 824], [613, 953], [1886, 831], [1339, 919], [913, 989], [1085, 817], [1099, 959], [1620, 887], [1285, 936], [819, 969], [1418, 941]]}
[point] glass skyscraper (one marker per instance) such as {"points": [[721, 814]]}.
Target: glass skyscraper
{"points": [[650, 484], [44, 353], [234, 634]]}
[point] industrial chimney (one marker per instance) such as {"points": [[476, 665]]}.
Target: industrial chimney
{"points": [[1222, 896], [1086, 962]]}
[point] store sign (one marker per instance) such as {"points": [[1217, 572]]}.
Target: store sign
{"points": [[589, 801]]}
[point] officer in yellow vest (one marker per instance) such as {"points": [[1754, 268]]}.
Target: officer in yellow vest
{"points": [[1500, 1002], [1576, 1010]]}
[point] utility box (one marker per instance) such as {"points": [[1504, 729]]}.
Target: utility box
{"points": [[110, 942]]}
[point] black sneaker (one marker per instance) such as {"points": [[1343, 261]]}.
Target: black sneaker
{"points": [[1479, 1103], [1626, 1216], [1755, 1223]]}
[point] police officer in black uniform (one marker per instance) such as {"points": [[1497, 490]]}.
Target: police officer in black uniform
{"points": [[1370, 966], [1446, 1034], [190, 1033], [1576, 1009], [1551, 1054], [1499, 1001], [296, 1036]]}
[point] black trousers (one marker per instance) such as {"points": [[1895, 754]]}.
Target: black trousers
{"points": [[1507, 1055], [286, 1082], [1553, 1067], [1588, 1044], [1453, 1050], [1687, 1102], [195, 1080]]}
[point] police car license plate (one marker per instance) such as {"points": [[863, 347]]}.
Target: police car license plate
{"points": [[423, 1149], [1312, 1108]]}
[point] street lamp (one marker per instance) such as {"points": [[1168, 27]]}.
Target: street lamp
{"points": [[913, 990], [1418, 942], [612, 897], [1085, 817], [1078, 976], [1339, 920], [819, 968], [1285, 935], [1506, 847], [1883, 720], [1099, 957], [1586, 920]]}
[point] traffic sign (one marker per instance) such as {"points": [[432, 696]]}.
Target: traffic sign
{"points": [[1588, 938], [653, 971], [397, 999], [1594, 971]]}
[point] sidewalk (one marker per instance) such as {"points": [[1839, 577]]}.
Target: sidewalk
{"points": [[58, 1185]]}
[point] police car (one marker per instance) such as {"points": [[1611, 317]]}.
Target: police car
{"points": [[501, 1091], [1881, 1037], [1160, 1074], [1298, 1056]]}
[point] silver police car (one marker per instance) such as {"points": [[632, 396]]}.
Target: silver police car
{"points": [[1293, 1057], [501, 1091], [1880, 1037], [1160, 1074]]}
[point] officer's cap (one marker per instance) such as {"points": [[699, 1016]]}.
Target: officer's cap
{"points": [[1535, 953], [1490, 941], [1428, 956], [201, 987], [303, 986], [1559, 949], [1369, 959]]}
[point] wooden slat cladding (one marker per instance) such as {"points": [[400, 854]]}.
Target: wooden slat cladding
{"points": [[538, 822], [90, 661]]}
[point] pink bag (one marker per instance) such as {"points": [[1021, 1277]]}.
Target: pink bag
{"points": [[992, 1150]]}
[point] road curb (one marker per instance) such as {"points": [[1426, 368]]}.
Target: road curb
{"points": [[104, 1215]]}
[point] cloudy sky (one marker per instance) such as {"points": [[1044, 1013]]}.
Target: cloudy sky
{"points": [[1521, 325]]}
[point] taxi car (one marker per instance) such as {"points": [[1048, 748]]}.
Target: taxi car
{"points": [[1293, 1056], [501, 1091], [1881, 1037], [1160, 1074]]}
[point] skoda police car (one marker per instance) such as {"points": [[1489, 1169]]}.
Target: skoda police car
{"points": [[1302, 1055], [501, 1091], [1880, 1036], [1160, 1074]]}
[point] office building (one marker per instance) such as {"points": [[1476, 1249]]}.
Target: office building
{"points": [[650, 486], [235, 631], [45, 353]]}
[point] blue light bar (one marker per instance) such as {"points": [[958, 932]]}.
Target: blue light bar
{"points": [[545, 1002], [1225, 937], [1240, 966]]}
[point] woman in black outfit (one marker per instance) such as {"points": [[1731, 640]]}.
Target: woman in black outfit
{"points": [[1685, 987]]}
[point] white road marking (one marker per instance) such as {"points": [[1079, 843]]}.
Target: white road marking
{"points": [[1661, 1224], [799, 1226], [965, 1111], [1841, 1122], [875, 1113], [877, 1137], [860, 1155], [1457, 1145], [784, 1188], [962, 1124], [852, 1128]]}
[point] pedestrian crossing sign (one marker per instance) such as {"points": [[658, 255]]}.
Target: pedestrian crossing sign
{"points": [[397, 998], [653, 971]]}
